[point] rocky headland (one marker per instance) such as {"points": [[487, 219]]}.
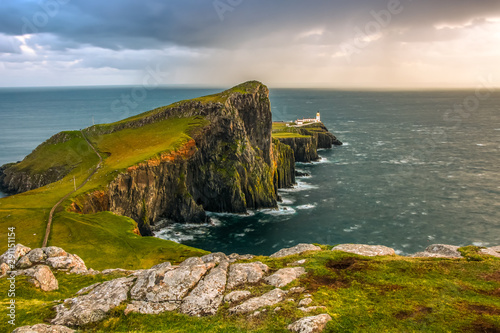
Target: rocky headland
{"points": [[229, 163]]}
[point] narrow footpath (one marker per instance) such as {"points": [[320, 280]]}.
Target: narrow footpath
{"points": [[51, 214]]}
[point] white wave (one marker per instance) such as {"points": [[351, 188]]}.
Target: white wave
{"points": [[346, 144], [480, 144], [279, 211], [308, 206], [301, 186], [287, 201]]}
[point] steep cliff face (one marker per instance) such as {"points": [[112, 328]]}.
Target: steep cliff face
{"points": [[305, 149], [305, 141], [230, 165]]}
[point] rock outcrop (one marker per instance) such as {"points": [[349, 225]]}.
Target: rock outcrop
{"points": [[310, 324], [43, 278], [365, 250], [93, 306], [297, 249], [284, 276], [270, 298], [439, 251], [245, 273]]}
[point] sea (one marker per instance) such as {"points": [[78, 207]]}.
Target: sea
{"points": [[416, 168]]}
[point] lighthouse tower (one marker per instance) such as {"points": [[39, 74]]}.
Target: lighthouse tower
{"points": [[318, 117]]}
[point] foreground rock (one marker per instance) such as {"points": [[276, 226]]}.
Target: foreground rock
{"points": [[492, 251], [42, 328], [271, 298], [310, 324], [95, 305], [150, 307], [23, 257], [206, 297], [43, 278], [439, 251], [246, 273], [236, 296], [365, 250], [284, 276], [297, 249]]}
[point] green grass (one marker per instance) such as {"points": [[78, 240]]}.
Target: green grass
{"points": [[362, 294], [280, 131], [103, 240]]}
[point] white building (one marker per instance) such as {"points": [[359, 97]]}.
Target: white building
{"points": [[309, 120]]}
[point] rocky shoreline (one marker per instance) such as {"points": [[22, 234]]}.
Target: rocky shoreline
{"points": [[198, 286]]}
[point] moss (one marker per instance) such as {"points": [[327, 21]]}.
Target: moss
{"points": [[471, 253]]}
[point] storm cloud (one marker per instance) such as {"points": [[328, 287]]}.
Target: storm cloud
{"points": [[366, 43]]}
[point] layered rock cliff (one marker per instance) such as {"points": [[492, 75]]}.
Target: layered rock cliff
{"points": [[228, 164]]}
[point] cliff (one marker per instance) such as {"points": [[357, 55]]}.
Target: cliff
{"points": [[221, 159], [306, 140]]}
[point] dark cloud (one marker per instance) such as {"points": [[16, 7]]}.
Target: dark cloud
{"points": [[131, 24]]}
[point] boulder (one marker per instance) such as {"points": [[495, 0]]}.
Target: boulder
{"points": [[492, 251], [215, 257], [284, 276], [150, 307], [54, 251], [169, 285], [297, 249], [4, 268], [236, 296], [12, 255], [245, 273], [37, 256], [68, 262], [305, 301], [43, 328], [236, 256], [296, 290], [365, 250], [23, 263], [116, 271], [206, 297], [439, 251], [162, 265], [43, 278], [310, 324], [270, 298], [191, 262], [95, 305]]}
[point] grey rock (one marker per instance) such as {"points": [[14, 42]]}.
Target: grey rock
{"points": [[237, 256], [215, 257], [284, 276], [270, 298], [191, 262], [54, 251], [150, 307], [43, 328], [305, 302], [43, 278], [206, 297], [439, 251], [36, 256], [311, 324], [296, 290], [11, 256], [162, 265], [236, 296], [245, 273], [95, 305], [68, 262], [297, 249], [4, 268], [171, 285], [312, 308], [24, 262], [365, 250], [492, 251], [87, 289]]}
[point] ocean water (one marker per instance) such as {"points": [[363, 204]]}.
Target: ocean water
{"points": [[412, 171]]}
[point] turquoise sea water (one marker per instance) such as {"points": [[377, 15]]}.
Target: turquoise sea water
{"points": [[410, 173]]}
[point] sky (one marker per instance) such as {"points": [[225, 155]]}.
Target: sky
{"points": [[373, 44]]}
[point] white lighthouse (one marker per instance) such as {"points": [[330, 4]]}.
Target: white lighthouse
{"points": [[318, 117]]}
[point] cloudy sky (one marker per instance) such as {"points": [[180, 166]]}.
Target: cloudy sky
{"points": [[304, 43]]}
